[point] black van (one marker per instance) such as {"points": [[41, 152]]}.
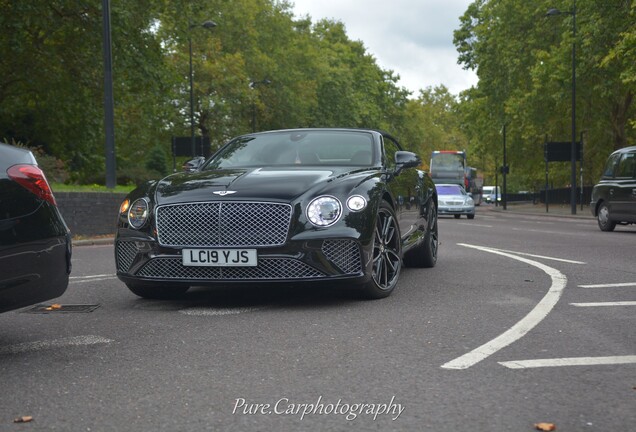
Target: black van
{"points": [[614, 197]]}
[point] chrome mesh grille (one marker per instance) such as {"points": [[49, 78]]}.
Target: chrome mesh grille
{"points": [[267, 269], [223, 224], [343, 253], [126, 253]]}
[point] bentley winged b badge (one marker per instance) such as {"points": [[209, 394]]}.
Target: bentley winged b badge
{"points": [[224, 192]]}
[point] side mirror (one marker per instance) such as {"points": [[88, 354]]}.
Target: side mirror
{"points": [[193, 164], [406, 159]]}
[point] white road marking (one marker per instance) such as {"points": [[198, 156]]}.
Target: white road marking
{"points": [[521, 328], [593, 304], [613, 285], [474, 224], [93, 278], [208, 311], [538, 256], [53, 343], [571, 361]]}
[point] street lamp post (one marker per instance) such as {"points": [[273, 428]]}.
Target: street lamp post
{"points": [[206, 25], [555, 12], [253, 85], [504, 172]]}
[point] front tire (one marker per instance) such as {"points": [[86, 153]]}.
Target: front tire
{"points": [[387, 259], [603, 218], [157, 292]]}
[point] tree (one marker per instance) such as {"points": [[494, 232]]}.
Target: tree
{"points": [[523, 61]]}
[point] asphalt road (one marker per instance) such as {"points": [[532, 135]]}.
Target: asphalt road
{"points": [[511, 328]]}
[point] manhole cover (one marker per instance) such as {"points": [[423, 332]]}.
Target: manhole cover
{"points": [[62, 308]]}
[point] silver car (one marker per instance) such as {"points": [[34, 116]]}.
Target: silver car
{"points": [[454, 200]]}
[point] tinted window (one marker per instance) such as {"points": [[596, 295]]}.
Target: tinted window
{"points": [[313, 147], [627, 166], [610, 166], [389, 149]]}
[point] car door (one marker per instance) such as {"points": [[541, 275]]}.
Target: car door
{"points": [[623, 193], [404, 188]]}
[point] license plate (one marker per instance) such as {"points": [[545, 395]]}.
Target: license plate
{"points": [[220, 257]]}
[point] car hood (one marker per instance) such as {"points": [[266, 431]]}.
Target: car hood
{"points": [[284, 184]]}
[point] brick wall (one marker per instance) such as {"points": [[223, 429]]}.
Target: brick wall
{"points": [[89, 213]]}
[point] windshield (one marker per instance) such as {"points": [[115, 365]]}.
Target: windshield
{"points": [[448, 161], [290, 148], [450, 190]]}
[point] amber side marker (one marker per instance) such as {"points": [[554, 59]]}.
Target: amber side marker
{"points": [[62, 308]]}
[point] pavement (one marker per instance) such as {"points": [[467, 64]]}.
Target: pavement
{"points": [[560, 210]]}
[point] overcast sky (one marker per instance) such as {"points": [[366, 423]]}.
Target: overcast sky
{"points": [[414, 38]]}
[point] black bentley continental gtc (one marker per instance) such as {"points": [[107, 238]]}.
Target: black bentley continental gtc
{"points": [[302, 205]]}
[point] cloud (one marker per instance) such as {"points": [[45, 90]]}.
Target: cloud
{"points": [[414, 38]]}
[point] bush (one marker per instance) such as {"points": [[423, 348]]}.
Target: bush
{"points": [[54, 169], [157, 161], [137, 175]]}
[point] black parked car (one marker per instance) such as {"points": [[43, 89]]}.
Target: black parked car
{"points": [[614, 197], [282, 206], [35, 244]]}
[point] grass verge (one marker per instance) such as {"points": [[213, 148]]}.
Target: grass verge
{"points": [[61, 187]]}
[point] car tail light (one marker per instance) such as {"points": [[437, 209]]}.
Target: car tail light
{"points": [[32, 178]]}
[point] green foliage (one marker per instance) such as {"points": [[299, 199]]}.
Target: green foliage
{"points": [[523, 59], [157, 161], [51, 82]]}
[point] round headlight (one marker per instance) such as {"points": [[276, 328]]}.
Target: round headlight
{"points": [[324, 211], [356, 203], [138, 213]]}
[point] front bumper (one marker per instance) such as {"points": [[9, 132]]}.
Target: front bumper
{"points": [[455, 210], [143, 260]]}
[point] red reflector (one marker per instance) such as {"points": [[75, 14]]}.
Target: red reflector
{"points": [[32, 178]]}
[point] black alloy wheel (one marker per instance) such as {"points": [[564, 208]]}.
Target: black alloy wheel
{"points": [[387, 260]]}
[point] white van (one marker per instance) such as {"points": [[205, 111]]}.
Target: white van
{"points": [[491, 193]]}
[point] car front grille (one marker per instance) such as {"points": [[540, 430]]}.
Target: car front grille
{"points": [[126, 253], [343, 253], [223, 224], [267, 269], [452, 203]]}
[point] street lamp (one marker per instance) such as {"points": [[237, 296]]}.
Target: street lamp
{"points": [[206, 25], [555, 12], [253, 85]]}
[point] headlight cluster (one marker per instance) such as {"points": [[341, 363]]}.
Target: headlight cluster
{"points": [[326, 210], [137, 212]]}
